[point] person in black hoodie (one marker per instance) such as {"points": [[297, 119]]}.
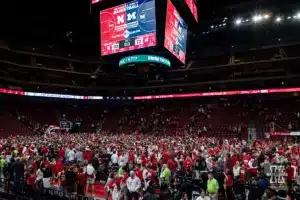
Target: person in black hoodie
{"points": [[220, 177], [188, 179], [202, 163], [255, 192], [18, 171], [70, 179], [239, 189]]}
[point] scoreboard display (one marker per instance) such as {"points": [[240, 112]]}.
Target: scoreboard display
{"points": [[175, 33], [127, 27], [193, 8]]}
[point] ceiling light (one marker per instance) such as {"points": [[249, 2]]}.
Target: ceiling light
{"points": [[278, 19], [266, 16], [211, 26], [298, 15], [257, 18], [238, 21]]}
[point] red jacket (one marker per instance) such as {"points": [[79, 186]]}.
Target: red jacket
{"points": [[88, 155], [81, 179]]}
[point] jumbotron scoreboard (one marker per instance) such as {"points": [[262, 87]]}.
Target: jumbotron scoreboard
{"points": [[127, 27], [142, 24]]}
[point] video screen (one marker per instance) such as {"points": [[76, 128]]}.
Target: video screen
{"points": [[193, 8], [127, 27], [175, 33]]}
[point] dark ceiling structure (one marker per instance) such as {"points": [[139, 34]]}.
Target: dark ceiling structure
{"points": [[54, 46]]}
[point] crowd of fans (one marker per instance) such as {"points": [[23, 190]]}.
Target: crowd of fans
{"points": [[157, 152], [139, 165]]}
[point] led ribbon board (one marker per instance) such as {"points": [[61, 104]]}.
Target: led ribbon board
{"points": [[144, 59]]}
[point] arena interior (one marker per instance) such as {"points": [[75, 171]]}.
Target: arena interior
{"points": [[150, 99]]}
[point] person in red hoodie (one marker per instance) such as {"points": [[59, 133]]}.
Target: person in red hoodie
{"points": [[172, 164], [233, 159], [61, 153], [80, 182], [290, 177], [30, 181], [88, 155], [229, 184], [243, 172], [59, 166], [139, 171], [151, 174], [165, 155]]}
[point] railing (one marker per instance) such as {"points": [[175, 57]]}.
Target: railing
{"points": [[22, 191]]}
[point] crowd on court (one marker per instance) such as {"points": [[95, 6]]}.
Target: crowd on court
{"points": [[138, 165]]}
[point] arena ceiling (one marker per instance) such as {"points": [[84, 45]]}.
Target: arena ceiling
{"points": [[74, 26], [264, 55]]}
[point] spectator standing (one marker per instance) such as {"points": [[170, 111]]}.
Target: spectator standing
{"points": [[80, 181], [18, 171], [71, 156], [2, 166], [290, 177], [79, 156], [165, 175], [212, 187], [70, 179], [88, 155], [229, 184], [90, 175], [236, 170], [47, 174], [133, 186]]}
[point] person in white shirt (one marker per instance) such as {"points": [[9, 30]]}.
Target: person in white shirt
{"points": [[90, 177], [123, 159], [236, 169], [133, 185], [71, 156], [79, 156], [114, 158], [203, 196]]}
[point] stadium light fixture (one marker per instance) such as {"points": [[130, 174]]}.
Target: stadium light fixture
{"points": [[266, 16], [278, 19], [298, 15], [257, 18], [238, 22]]}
